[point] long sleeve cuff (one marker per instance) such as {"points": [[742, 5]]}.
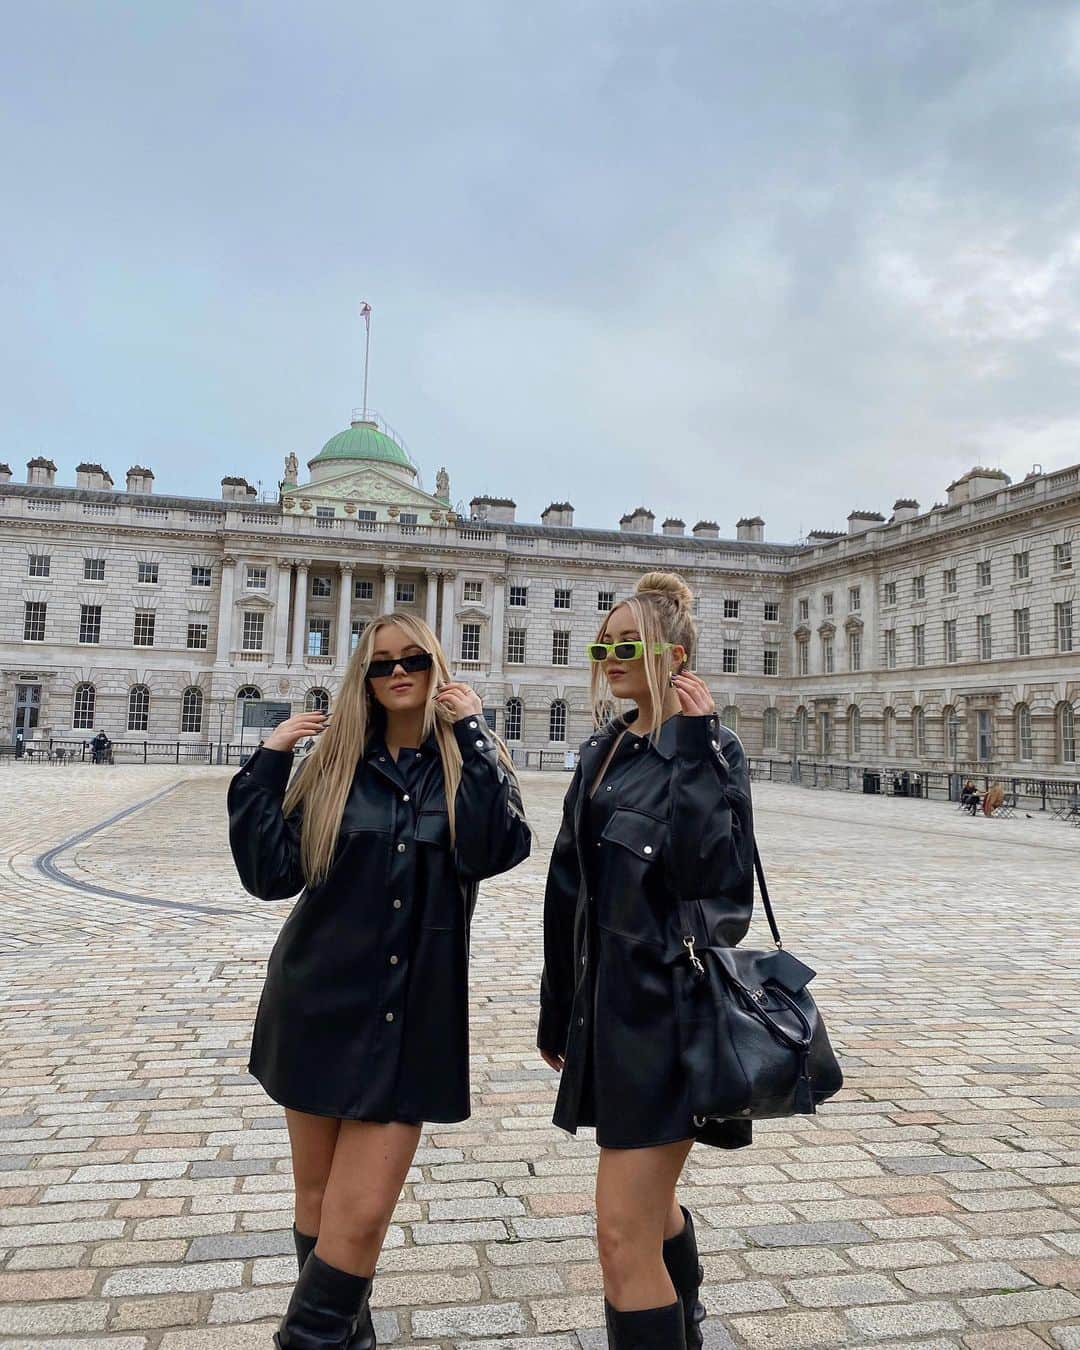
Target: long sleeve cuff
{"points": [[269, 768], [551, 1033], [698, 737], [474, 738]]}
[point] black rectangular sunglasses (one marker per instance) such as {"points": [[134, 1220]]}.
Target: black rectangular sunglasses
{"points": [[378, 670]]}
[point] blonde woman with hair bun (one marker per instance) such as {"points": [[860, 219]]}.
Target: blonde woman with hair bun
{"points": [[406, 802], [658, 813]]}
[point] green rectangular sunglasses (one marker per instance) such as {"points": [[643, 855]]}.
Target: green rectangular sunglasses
{"points": [[623, 651]]}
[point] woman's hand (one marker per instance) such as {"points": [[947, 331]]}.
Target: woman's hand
{"points": [[286, 734], [555, 1062], [694, 697], [460, 699]]}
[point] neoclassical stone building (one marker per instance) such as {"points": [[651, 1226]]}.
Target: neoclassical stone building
{"points": [[940, 638]]}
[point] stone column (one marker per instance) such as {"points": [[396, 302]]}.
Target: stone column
{"points": [[225, 611], [446, 628], [498, 602], [344, 615], [299, 629], [281, 613], [431, 597], [389, 592]]}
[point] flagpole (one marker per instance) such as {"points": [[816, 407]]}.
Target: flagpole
{"points": [[366, 311]]}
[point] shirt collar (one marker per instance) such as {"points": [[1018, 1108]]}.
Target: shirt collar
{"points": [[664, 744]]}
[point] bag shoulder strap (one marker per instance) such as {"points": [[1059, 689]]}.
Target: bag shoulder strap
{"points": [[765, 901]]}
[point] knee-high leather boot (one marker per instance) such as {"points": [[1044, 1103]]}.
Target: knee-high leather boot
{"points": [[363, 1337], [684, 1266], [324, 1308], [650, 1329], [304, 1244]]}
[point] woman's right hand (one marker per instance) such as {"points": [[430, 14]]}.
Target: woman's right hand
{"points": [[286, 734]]}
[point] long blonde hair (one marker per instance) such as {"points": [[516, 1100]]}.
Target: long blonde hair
{"points": [[322, 784], [663, 608]]}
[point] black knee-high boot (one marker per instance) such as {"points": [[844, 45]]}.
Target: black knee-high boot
{"points": [[650, 1329], [324, 1309], [363, 1337], [684, 1267]]}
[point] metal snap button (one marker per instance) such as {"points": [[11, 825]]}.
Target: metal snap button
{"points": [[401, 848], [404, 796], [647, 848], [581, 1021], [472, 725], [608, 789], [393, 960], [480, 744], [397, 904], [389, 1017], [592, 742]]}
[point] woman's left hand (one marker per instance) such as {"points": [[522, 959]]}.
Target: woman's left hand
{"points": [[694, 697], [460, 699]]}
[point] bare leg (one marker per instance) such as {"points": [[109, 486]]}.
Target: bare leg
{"points": [[368, 1171], [635, 1209], [312, 1140]]}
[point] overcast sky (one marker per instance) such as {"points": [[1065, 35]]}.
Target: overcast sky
{"points": [[716, 257]]}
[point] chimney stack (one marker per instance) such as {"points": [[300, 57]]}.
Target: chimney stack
{"points": [[674, 526], [140, 479], [40, 472], [977, 482], [706, 529], [493, 510], [558, 513], [858, 521], [751, 529], [237, 489], [92, 476], [904, 508], [638, 521]]}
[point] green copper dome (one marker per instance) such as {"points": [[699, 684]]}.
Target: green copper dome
{"points": [[362, 440]]}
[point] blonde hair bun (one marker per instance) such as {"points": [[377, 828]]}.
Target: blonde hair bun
{"points": [[668, 584]]}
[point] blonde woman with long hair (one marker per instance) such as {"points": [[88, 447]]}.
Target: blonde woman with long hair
{"points": [[405, 803], [658, 813]]}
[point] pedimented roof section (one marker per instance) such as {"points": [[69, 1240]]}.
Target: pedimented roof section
{"points": [[365, 485]]}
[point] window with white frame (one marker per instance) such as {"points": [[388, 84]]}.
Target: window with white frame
{"points": [[563, 597], [198, 636], [854, 651], [257, 578], [515, 646], [408, 521], [367, 520], [802, 656], [1024, 745], [804, 611], [518, 597], [770, 661], [191, 710], [202, 576], [474, 592], [918, 587], [983, 574], [82, 713], [138, 718], [828, 607], [560, 647], [854, 597], [918, 731], [512, 728], [363, 589], [827, 655], [1021, 566], [93, 569], [89, 624], [730, 718], [889, 643], [34, 621], [772, 611], [145, 622], [318, 637], [948, 581], [770, 729], [888, 730], [918, 644], [1063, 557], [731, 661], [321, 587], [854, 731], [1022, 632], [405, 593], [802, 731], [356, 632], [324, 517], [605, 600], [147, 574], [731, 608], [557, 721], [1066, 729], [254, 627], [951, 727], [316, 701], [39, 565], [949, 636], [1063, 625], [470, 642], [889, 597], [984, 636]]}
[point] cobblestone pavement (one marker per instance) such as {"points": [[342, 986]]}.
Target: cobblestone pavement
{"points": [[145, 1177]]}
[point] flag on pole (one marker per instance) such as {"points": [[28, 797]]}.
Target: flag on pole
{"points": [[365, 311]]}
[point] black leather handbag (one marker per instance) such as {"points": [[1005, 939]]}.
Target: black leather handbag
{"points": [[752, 1041]]}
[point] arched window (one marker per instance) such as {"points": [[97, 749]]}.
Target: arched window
{"points": [[730, 718], [854, 731], [605, 711], [138, 708], [802, 731], [950, 732], [82, 717], [244, 694], [191, 710], [770, 729], [512, 725], [1023, 732], [317, 700], [557, 721], [888, 730], [1066, 738], [918, 732]]}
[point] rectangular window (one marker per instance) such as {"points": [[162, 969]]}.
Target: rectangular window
{"points": [[320, 588], [1063, 557], [474, 592], [918, 644], [198, 636], [1021, 566], [1063, 626], [366, 520], [324, 517], [1022, 632], [948, 581], [143, 635], [827, 655], [407, 520], [318, 637], [562, 598], [254, 623], [982, 628], [731, 609], [605, 600], [147, 574], [560, 647], [201, 576], [918, 588], [949, 634], [804, 611], [772, 611], [890, 593], [771, 661], [731, 661], [39, 565], [515, 647], [982, 574], [90, 623], [854, 651], [34, 621], [889, 636], [363, 589], [93, 569], [356, 632], [985, 735], [405, 593], [470, 642], [518, 597], [854, 597], [802, 650], [827, 604], [256, 578]]}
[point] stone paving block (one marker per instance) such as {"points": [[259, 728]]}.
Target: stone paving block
{"points": [[842, 1291], [173, 1279], [493, 1319], [792, 1331], [33, 1286], [53, 1319], [171, 1310], [1031, 1305], [906, 1319], [963, 1276], [220, 1247], [255, 1336]]}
